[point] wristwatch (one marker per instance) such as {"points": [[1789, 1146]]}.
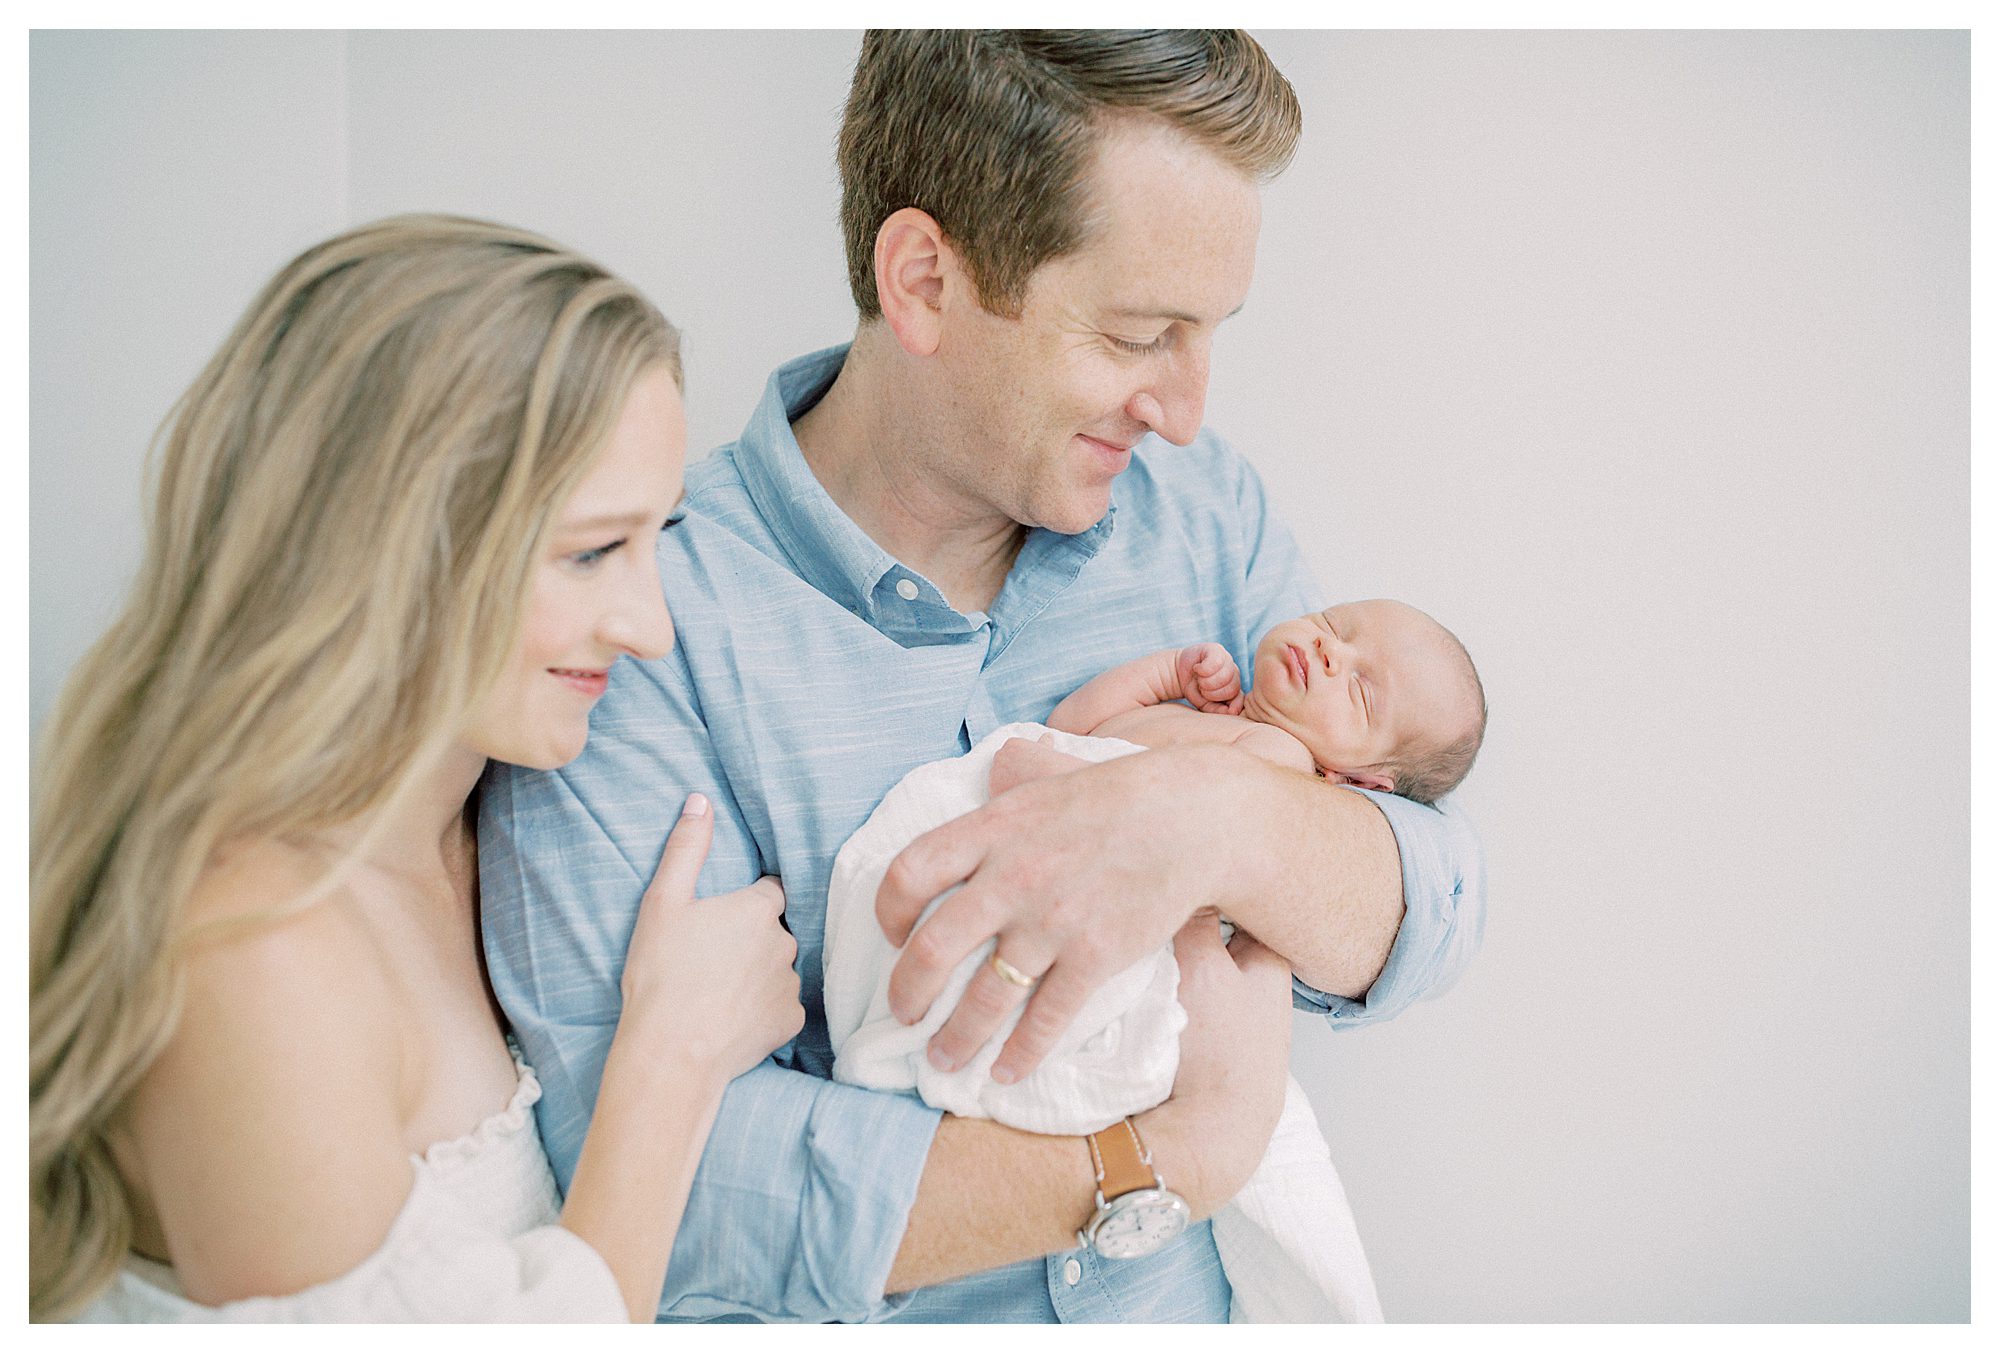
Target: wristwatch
{"points": [[1137, 1214]]}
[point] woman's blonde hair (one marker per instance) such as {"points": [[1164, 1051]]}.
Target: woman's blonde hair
{"points": [[345, 511]]}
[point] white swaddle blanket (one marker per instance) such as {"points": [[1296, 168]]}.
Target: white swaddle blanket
{"points": [[1288, 1242]]}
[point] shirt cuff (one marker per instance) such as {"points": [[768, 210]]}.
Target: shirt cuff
{"points": [[1444, 913], [869, 1150], [801, 1202]]}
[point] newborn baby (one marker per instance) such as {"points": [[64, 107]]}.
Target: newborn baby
{"points": [[1370, 693], [1374, 694]]}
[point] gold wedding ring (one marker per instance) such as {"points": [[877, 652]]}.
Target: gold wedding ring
{"points": [[1008, 972]]}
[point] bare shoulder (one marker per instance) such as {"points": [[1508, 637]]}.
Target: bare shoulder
{"points": [[267, 1135], [1275, 745], [1175, 725], [276, 949]]}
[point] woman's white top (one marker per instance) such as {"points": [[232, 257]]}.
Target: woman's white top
{"points": [[476, 1240]]}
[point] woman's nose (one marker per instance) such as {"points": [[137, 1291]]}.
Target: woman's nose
{"points": [[643, 627]]}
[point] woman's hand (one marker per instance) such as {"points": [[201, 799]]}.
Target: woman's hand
{"points": [[711, 979], [709, 992]]}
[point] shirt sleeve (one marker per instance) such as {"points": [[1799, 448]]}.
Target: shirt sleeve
{"points": [[804, 1188], [1444, 867]]}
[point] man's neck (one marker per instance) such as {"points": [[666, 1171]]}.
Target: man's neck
{"points": [[866, 442]]}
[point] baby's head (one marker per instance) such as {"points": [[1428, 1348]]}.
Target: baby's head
{"points": [[1381, 694]]}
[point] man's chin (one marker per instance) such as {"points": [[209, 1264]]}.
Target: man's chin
{"points": [[1075, 519], [1073, 513]]}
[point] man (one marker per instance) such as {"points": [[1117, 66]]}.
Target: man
{"points": [[945, 527]]}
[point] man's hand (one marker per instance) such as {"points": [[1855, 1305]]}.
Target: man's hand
{"points": [[1079, 875], [1230, 1088], [1207, 1138], [1019, 761]]}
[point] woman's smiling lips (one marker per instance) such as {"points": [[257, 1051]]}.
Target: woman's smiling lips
{"points": [[587, 680]]}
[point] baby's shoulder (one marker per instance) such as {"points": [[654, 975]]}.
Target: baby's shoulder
{"points": [[1176, 725], [1173, 724], [1276, 746]]}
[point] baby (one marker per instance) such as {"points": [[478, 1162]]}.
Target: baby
{"points": [[1370, 693]]}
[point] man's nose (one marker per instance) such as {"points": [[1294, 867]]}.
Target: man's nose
{"points": [[1172, 404]]}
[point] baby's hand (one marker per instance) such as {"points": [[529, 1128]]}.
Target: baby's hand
{"points": [[1209, 680]]}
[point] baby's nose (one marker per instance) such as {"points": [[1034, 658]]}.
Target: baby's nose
{"points": [[1325, 658]]}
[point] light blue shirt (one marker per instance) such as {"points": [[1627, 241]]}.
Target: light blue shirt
{"points": [[811, 672]]}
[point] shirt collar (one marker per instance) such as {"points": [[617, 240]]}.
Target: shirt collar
{"points": [[837, 557], [824, 545]]}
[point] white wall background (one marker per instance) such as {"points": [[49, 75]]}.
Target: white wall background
{"points": [[1641, 359]]}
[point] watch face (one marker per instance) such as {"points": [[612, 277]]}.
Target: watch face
{"points": [[1138, 1224]]}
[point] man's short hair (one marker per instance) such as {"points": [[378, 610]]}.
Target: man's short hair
{"points": [[992, 132]]}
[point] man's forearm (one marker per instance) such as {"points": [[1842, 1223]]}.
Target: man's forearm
{"points": [[993, 1196], [1323, 884]]}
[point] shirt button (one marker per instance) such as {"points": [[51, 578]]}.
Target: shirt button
{"points": [[907, 590], [1072, 1273]]}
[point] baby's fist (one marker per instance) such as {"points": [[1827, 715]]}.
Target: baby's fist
{"points": [[1209, 679]]}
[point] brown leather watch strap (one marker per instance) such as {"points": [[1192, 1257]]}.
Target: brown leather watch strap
{"points": [[1122, 1160]]}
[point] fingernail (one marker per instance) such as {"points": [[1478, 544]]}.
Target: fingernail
{"points": [[696, 806], [1003, 1075], [940, 1060]]}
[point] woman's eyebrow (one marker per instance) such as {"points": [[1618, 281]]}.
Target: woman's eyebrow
{"points": [[608, 521]]}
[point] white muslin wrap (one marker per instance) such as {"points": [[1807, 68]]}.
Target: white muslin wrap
{"points": [[1288, 1242]]}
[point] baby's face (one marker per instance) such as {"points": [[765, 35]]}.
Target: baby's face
{"points": [[1357, 684]]}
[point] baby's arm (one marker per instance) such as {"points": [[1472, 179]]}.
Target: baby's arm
{"points": [[1167, 725], [1204, 675]]}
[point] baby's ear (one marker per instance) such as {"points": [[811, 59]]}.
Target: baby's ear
{"points": [[1362, 779]]}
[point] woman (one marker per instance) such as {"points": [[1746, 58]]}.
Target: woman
{"points": [[404, 523]]}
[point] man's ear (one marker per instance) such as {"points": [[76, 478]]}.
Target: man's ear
{"points": [[911, 258], [1363, 779]]}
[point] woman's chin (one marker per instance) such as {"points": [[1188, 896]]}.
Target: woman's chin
{"points": [[551, 751]]}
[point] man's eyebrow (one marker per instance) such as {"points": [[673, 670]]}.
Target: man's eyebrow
{"points": [[1160, 312]]}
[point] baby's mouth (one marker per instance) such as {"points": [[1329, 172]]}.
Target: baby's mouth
{"points": [[1297, 662]]}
